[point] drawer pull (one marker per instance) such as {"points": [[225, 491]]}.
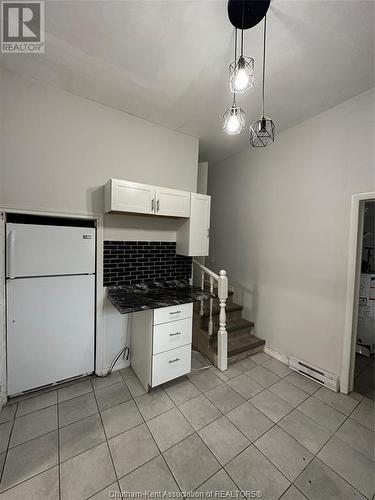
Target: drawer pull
{"points": [[173, 334], [175, 312], [173, 360]]}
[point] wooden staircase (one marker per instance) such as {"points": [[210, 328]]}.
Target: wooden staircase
{"points": [[241, 341]]}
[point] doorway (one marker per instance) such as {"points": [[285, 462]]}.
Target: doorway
{"points": [[365, 335], [359, 341]]}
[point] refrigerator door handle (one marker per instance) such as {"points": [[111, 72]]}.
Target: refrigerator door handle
{"points": [[12, 255]]}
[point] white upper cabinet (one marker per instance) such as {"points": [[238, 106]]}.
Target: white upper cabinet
{"points": [[125, 196], [193, 236], [172, 202]]}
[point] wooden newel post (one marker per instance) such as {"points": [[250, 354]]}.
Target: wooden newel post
{"points": [[222, 336]]}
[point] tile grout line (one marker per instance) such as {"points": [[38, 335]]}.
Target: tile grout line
{"points": [[251, 443], [58, 448], [333, 435], [108, 447], [196, 431], [7, 448], [335, 472], [156, 444], [276, 425], [29, 478], [34, 475]]}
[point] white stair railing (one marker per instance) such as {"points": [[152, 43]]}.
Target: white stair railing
{"points": [[222, 293]]}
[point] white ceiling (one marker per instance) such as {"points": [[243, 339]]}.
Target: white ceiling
{"points": [[167, 60]]}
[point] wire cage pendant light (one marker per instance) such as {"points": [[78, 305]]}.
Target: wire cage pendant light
{"points": [[262, 132], [234, 119], [241, 70]]}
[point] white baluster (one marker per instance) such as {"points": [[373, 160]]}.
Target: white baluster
{"points": [[210, 322], [202, 288], [222, 336]]}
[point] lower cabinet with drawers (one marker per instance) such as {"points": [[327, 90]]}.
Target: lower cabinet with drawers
{"points": [[161, 344]]}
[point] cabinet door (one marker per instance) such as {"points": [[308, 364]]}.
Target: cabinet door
{"points": [[199, 231], [172, 202], [132, 197]]}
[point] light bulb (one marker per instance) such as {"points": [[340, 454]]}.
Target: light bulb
{"points": [[233, 125], [241, 81], [234, 120], [241, 74]]}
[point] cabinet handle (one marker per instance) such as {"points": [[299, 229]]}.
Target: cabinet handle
{"points": [[157, 205], [173, 360], [153, 205], [175, 312], [173, 334]]}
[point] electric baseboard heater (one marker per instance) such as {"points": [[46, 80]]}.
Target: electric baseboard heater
{"points": [[314, 373]]}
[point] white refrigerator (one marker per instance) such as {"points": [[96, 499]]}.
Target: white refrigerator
{"points": [[50, 291]]}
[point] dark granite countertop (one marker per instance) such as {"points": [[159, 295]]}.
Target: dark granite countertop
{"points": [[143, 296]]}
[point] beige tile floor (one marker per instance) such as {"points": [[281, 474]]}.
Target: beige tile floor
{"points": [[256, 427]]}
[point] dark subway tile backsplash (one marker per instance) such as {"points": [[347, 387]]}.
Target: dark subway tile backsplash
{"points": [[129, 262]]}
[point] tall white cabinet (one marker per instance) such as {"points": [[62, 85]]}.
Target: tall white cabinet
{"points": [[193, 236]]}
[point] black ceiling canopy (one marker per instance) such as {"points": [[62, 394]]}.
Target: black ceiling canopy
{"points": [[245, 14]]}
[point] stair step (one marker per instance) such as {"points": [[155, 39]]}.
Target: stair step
{"points": [[239, 343], [216, 310], [235, 326]]}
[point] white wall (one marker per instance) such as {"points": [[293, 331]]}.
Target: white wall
{"points": [[280, 227], [57, 150]]}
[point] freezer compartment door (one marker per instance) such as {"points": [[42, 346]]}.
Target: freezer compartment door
{"points": [[36, 250], [50, 330]]}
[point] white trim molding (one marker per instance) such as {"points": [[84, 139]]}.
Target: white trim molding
{"points": [[351, 308], [17, 209], [99, 331], [277, 355], [3, 357]]}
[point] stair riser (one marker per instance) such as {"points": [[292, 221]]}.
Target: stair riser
{"points": [[230, 315], [240, 331]]}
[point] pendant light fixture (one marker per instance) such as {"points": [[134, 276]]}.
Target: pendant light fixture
{"points": [[241, 70], [234, 119], [262, 132]]}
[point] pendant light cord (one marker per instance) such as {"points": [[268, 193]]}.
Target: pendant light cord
{"points": [[235, 45], [243, 14], [264, 61], [235, 59]]}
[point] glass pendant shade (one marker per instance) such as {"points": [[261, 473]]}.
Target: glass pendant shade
{"points": [[241, 74], [234, 120], [262, 132]]}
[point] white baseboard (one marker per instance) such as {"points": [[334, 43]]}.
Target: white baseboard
{"points": [[118, 366], [277, 355]]}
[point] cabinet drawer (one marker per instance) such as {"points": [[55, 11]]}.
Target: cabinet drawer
{"points": [[171, 364], [173, 334], [173, 313]]}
